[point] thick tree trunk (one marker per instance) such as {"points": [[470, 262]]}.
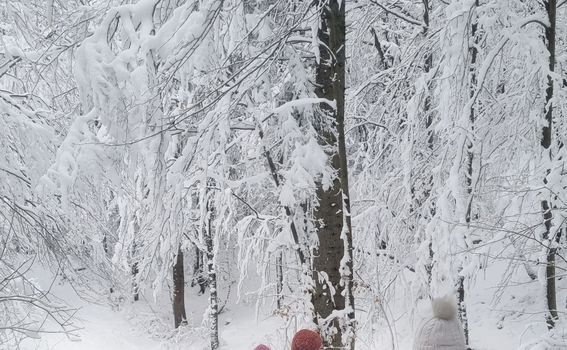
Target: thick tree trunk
{"points": [[179, 315], [551, 8], [332, 260]]}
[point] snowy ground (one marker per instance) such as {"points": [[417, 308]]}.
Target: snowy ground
{"points": [[142, 327], [102, 329], [501, 321], [147, 324]]}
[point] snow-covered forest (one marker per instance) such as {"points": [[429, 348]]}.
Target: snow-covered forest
{"points": [[216, 174]]}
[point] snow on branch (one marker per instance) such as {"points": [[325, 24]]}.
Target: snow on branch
{"points": [[400, 15], [286, 107]]}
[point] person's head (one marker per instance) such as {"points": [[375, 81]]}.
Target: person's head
{"points": [[443, 331], [262, 347], [306, 339]]}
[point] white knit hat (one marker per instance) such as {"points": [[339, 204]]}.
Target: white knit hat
{"points": [[443, 331]]}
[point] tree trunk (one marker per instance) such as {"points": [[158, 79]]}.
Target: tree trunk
{"points": [[134, 271], [179, 315], [135, 287], [279, 282], [473, 51], [332, 260], [551, 8], [427, 64], [196, 266], [211, 270], [288, 212], [198, 272]]}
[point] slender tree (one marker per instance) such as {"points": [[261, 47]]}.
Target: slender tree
{"points": [[470, 170], [209, 241], [551, 238], [178, 303]]}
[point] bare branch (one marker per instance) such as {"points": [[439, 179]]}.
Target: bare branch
{"points": [[401, 16]]}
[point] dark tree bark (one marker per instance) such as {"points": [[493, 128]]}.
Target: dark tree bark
{"points": [[332, 215], [288, 212], [279, 282], [134, 271], [428, 63], [196, 265], [473, 53], [198, 272], [179, 315], [378, 46], [135, 287], [551, 9]]}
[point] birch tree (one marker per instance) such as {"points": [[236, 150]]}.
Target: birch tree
{"points": [[551, 235]]}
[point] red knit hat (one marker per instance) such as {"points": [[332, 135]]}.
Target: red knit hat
{"points": [[306, 340], [262, 347]]}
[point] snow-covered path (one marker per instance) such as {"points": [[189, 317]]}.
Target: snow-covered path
{"points": [[102, 328], [146, 324]]}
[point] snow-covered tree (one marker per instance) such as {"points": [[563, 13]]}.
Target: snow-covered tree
{"points": [[37, 93]]}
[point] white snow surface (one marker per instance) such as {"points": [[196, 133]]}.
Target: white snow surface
{"points": [[508, 321], [103, 329]]}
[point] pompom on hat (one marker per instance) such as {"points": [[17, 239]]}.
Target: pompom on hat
{"points": [[262, 347], [443, 331], [306, 339]]}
